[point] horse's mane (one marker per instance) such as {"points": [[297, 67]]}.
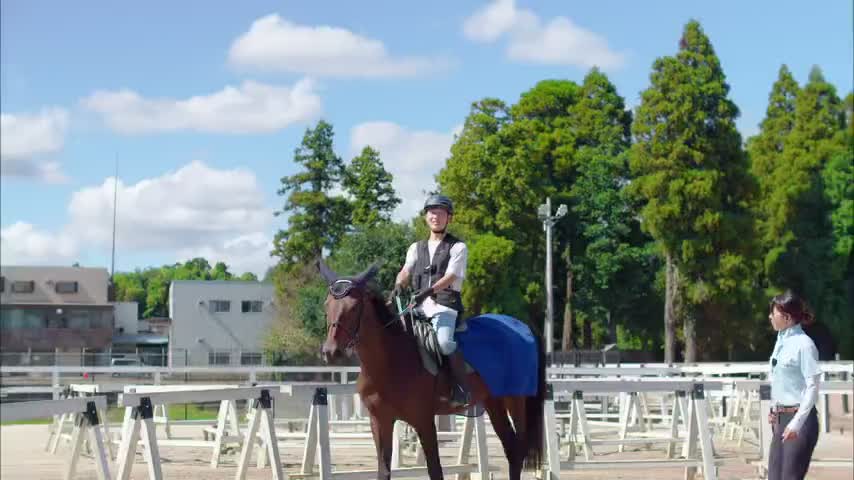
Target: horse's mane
{"points": [[384, 314]]}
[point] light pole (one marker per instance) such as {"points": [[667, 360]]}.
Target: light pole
{"points": [[544, 213]]}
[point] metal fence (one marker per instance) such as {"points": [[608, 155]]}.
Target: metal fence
{"points": [[244, 358], [161, 358]]}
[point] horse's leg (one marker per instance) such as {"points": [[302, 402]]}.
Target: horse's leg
{"points": [[383, 433], [501, 424], [517, 410], [430, 444]]}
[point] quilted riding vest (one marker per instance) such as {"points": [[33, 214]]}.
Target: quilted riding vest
{"points": [[425, 273]]}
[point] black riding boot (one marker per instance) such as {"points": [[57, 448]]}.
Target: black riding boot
{"points": [[462, 393]]}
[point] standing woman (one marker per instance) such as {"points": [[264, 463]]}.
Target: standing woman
{"points": [[795, 375]]}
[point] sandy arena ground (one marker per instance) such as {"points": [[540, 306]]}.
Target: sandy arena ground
{"points": [[22, 457]]}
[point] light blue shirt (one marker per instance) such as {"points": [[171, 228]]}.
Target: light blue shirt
{"points": [[796, 361]]}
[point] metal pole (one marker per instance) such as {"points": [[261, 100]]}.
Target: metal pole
{"points": [[549, 303]]}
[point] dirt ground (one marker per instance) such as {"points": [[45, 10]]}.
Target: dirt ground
{"points": [[22, 456]]}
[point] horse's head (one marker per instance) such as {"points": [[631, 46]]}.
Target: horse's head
{"points": [[345, 309]]}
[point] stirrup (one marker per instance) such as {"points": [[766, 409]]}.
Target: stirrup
{"points": [[460, 396]]}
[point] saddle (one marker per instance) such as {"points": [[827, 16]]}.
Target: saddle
{"points": [[428, 345]]}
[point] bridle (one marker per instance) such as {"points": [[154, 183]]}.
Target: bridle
{"points": [[340, 289]]}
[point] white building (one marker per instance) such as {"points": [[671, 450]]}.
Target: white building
{"points": [[219, 322]]}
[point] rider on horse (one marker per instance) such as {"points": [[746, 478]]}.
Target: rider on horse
{"points": [[436, 268]]}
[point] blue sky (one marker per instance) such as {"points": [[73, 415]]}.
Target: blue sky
{"points": [[204, 102]]}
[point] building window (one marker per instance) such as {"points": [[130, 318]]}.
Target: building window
{"points": [[2, 284], [219, 358], [13, 318], [23, 287], [251, 306], [79, 320], [66, 287], [218, 306], [250, 359], [100, 319]]}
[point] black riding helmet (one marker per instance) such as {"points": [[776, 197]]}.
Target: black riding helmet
{"points": [[438, 201]]}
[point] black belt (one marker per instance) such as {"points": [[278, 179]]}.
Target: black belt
{"points": [[785, 408]]}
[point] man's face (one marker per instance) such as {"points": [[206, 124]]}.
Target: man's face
{"points": [[437, 219]]}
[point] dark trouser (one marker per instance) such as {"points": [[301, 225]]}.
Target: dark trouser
{"points": [[790, 460]]}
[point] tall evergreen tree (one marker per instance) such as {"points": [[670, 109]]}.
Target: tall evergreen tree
{"points": [[766, 148], [805, 189], [692, 177], [369, 184], [766, 156], [468, 175], [316, 218], [610, 239]]}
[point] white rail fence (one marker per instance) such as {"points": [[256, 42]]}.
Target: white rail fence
{"points": [[692, 401]]}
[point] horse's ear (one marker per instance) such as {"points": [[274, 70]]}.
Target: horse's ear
{"points": [[326, 272], [368, 274]]}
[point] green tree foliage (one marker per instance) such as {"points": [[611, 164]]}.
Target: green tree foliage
{"points": [[610, 243], [384, 244], [799, 227], [475, 177], [316, 218], [563, 141], [370, 187], [300, 327], [692, 178], [297, 331], [839, 188], [248, 277], [766, 148], [467, 177], [130, 287], [150, 287], [501, 168], [807, 205], [489, 282], [681, 222]]}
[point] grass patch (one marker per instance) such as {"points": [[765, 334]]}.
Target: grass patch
{"points": [[116, 415], [193, 412], [32, 421]]}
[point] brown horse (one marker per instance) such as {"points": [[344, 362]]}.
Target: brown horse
{"points": [[394, 385]]}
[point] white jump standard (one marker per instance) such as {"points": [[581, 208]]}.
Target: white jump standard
{"points": [[88, 424]]}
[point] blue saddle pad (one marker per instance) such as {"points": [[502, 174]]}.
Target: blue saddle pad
{"points": [[503, 350]]}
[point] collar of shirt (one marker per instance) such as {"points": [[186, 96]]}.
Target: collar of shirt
{"points": [[782, 336], [793, 330]]}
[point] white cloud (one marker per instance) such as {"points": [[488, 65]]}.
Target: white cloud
{"points": [[556, 42], [414, 157], [192, 207], [250, 108], [194, 211], [244, 253], [25, 140], [275, 44], [496, 19], [23, 244]]}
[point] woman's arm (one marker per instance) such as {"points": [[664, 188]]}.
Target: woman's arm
{"points": [[811, 371], [808, 400]]}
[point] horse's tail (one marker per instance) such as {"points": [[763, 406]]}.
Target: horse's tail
{"points": [[534, 413]]}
